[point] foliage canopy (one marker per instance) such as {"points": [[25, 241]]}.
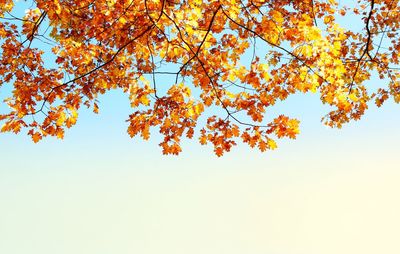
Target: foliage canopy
{"points": [[181, 62]]}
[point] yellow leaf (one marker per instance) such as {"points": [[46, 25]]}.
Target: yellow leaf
{"points": [[271, 144], [61, 119], [353, 97], [144, 100]]}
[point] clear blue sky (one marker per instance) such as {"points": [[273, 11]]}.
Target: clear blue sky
{"points": [[98, 191]]}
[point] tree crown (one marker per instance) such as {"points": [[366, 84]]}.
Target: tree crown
{"points": [[225, 61]]}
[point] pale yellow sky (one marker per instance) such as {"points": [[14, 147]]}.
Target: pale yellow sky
{"points": [[288, 211]]}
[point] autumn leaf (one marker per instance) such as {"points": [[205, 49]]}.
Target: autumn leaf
{"points": [[36, 137]]}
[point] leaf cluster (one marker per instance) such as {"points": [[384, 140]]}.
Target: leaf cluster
{"points": [[207, 69]]}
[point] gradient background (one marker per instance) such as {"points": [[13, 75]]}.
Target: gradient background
{"points": [[98, 191]]}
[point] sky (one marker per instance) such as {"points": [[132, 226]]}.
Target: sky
{"points": [[98, 191]]}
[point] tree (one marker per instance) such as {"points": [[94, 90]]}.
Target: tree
{"points": [[213, 67]]}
